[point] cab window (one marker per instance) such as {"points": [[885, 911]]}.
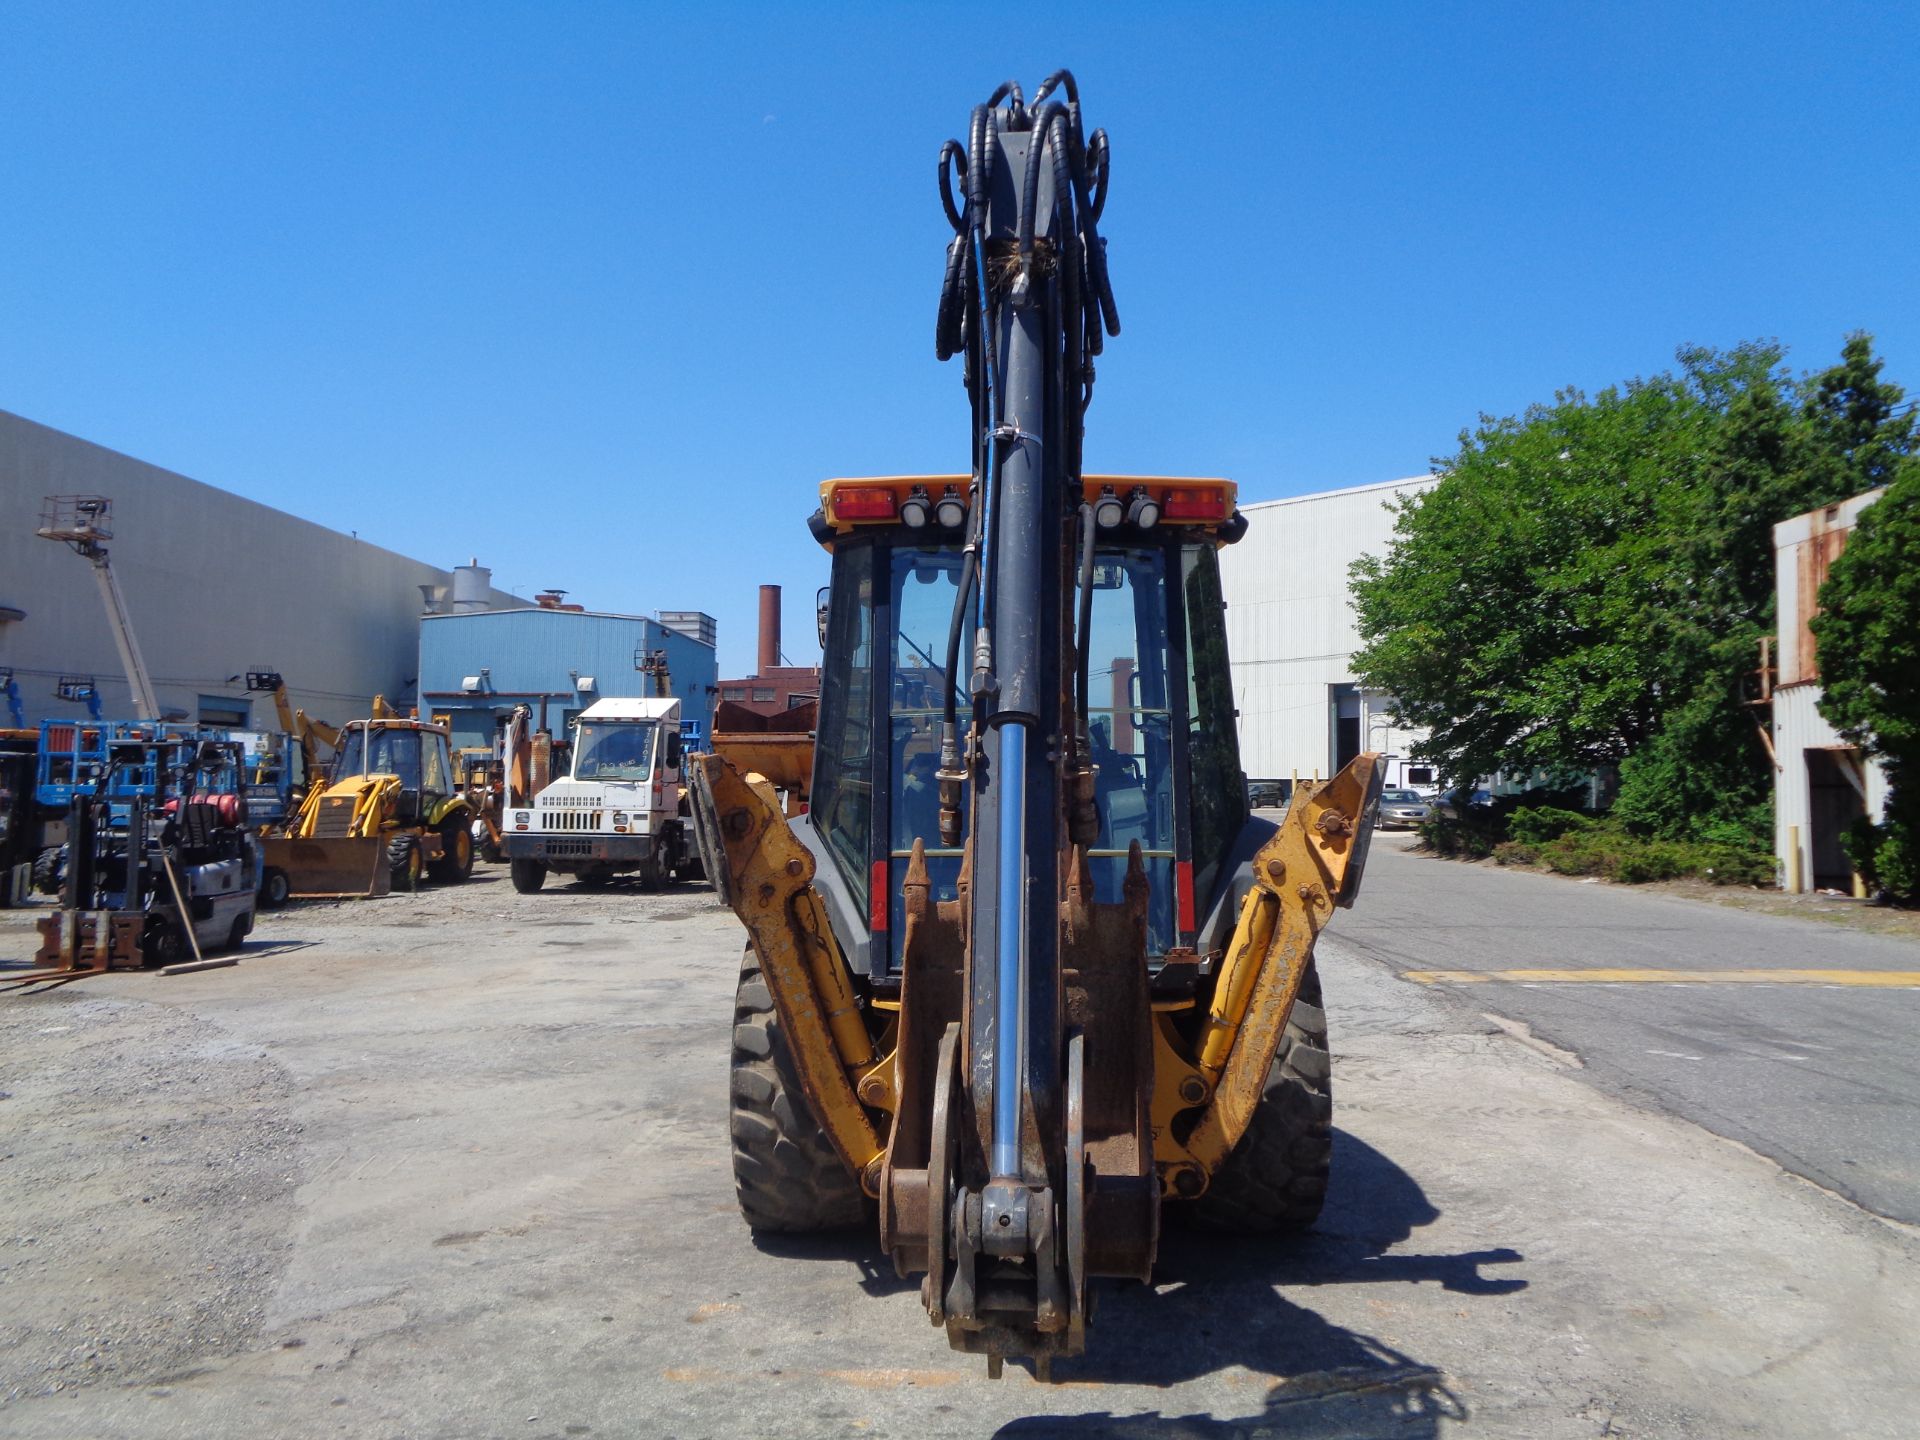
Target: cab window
{"points": [[842, 795], [921, 593]]}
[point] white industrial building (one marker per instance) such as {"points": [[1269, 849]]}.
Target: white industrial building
{"points": [[216, 585], [1822, 784], [1291, 635]]}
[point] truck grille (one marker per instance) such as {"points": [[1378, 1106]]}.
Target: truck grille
{"points": [[580, 848], [570, 819]]}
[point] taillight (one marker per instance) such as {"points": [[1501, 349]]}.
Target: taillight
{"points": [[877, 898], [864, 502], [1195, 504]]}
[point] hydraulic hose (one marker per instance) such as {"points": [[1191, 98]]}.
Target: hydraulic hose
{"points": [[1084, 632], [956, 627], [951, 154]]}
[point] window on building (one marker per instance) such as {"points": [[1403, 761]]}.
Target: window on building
{"points": [[762, 693], [735, 694], [225, 711]]}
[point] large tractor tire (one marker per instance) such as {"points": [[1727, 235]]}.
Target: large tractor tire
{"points": [[455, 860], [404, 861], [789, 1178], [1276, 1179], [527, 875]]}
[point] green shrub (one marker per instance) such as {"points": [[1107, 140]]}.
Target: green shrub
{"points": [[1542, 823], [1471, 837], [1885, 855], [1607, 848]]}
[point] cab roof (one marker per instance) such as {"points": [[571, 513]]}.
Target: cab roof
{"points": [[851, 503], [662, 708]]}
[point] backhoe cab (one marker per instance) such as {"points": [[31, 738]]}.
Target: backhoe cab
{"points": [[1028, 968]]}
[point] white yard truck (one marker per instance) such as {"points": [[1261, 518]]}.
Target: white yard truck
{"points": [[619, 810]]}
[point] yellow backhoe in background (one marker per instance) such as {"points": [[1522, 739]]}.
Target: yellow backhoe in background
{"points": [[387, 813]]}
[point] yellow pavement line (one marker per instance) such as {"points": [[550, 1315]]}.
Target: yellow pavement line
{"points": [[1876, 979]]}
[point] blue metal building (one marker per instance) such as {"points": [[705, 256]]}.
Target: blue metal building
{"points": [[477, 666]]}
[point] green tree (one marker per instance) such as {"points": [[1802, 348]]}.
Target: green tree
{"points": [[1868, 631], [1586, 584]]}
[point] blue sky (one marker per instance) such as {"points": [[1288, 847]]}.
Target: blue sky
{"points": [[599, 292]]}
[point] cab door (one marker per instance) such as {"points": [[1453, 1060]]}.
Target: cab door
{"points": [[667, 759]]}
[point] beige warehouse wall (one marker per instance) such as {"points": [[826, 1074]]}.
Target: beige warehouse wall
{"points": [[1290, 623], [216, 584]]}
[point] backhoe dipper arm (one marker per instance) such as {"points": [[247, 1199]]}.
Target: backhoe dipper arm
{"points": [[1026, 301]]}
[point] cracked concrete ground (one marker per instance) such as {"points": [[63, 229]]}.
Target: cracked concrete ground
{"points": [[454, 1164]]}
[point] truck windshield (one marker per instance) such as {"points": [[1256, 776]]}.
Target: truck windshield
{"points": [[613, 750]]}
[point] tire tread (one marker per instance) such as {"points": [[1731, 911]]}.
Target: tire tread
{"points": [[787, 1175], [1276, 1179]]}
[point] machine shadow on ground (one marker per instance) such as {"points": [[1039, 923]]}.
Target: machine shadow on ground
{"points": [[1214, 1306]]}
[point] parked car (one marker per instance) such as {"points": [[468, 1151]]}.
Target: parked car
{"points": [[1268, 794], [1450, 806], [1402, 808]]}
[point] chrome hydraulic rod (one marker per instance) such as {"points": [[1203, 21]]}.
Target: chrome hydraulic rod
{"points": [[1010, 960]]}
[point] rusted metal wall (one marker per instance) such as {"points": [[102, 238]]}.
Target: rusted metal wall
{"points": [[1805, 548]]}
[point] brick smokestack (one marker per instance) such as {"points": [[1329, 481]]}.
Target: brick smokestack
{"points": [[769, 629]]}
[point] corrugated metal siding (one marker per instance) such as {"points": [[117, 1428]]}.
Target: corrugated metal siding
{"points": [[1290, 628], [532, 651], [1805, 548]]}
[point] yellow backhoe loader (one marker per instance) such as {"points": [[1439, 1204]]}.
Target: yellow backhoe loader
{"points": [[1028, 970], [388, 812]]}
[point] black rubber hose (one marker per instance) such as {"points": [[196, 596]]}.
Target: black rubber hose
{"points": [[1098, 157], [1073, 297], [952, 154], [1102, 286], [948, 333], [1060, 79], [969, 568], [1085, 636], [977, 166], [1098, 284], [1030, 182], [1010, 90]]}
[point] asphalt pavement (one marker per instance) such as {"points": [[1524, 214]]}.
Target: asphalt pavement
{"points": [[1797, 1038]]}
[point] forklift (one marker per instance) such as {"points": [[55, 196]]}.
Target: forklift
{"points": [[161, 866]]}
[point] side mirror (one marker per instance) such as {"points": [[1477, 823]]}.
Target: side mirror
{"points": [[673, 750], [820, 614]]}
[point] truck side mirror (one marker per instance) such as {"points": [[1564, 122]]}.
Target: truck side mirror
{"points": [[673, 750], [820, 614]]}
